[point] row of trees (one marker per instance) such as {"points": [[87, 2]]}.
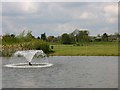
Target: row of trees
{"points": [[75, 37], [78, 36]]}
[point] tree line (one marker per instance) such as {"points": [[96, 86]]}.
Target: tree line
{"points": [[80, 36], [77, 36]]}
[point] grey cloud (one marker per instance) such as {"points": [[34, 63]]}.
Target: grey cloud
{"points": [[55, 18]]}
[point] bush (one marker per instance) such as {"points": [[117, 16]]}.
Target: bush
{"points": [[41, 45]]}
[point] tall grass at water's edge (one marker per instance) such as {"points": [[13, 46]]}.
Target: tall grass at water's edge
{"points": [[9, 49]]}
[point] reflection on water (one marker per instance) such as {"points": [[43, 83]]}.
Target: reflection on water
{"points": [[66, 72]]}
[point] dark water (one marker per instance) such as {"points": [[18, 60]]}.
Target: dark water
{"points": [[66, 72]]}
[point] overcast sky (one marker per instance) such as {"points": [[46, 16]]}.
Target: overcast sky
{"points": [[59, 17]]}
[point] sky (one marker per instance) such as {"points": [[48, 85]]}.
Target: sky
{"points": [[56, 18]]}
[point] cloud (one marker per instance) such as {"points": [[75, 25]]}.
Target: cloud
{"points": [[56, 18], [29, 7], [64, 28], [87, 15], [23, 8], [111, 9], [111, 13], [9, 26], [111, 20]]}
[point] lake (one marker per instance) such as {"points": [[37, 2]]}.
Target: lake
{"points": [[66, 72]]}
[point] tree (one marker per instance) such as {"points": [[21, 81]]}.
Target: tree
{"points": [[43, 36], [50, 39], [38, 37], [117, 35], [57, 39], [72, 38], [12, 35], [98, 35], [105, 37], [29, 35], [66, 39], [83, 36]]}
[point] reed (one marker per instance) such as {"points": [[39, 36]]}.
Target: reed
{"points": [[9, 49]]}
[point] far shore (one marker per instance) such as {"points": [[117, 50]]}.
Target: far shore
{"points": [[90, 49]]}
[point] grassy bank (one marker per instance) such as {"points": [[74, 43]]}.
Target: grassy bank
{"points": [[80, 49], [88, 49]]}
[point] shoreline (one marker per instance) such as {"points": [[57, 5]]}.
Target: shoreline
{"points": [[89, 49]]}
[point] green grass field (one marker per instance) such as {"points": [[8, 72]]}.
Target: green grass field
{"points": [[91, 49]]}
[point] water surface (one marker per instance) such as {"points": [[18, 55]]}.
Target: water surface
{"points": [[66, 72]]}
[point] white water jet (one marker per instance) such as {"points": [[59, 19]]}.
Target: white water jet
{"points": [[29, 54]]}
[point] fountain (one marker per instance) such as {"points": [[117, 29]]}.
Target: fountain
{"points": [[29, 54]]}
